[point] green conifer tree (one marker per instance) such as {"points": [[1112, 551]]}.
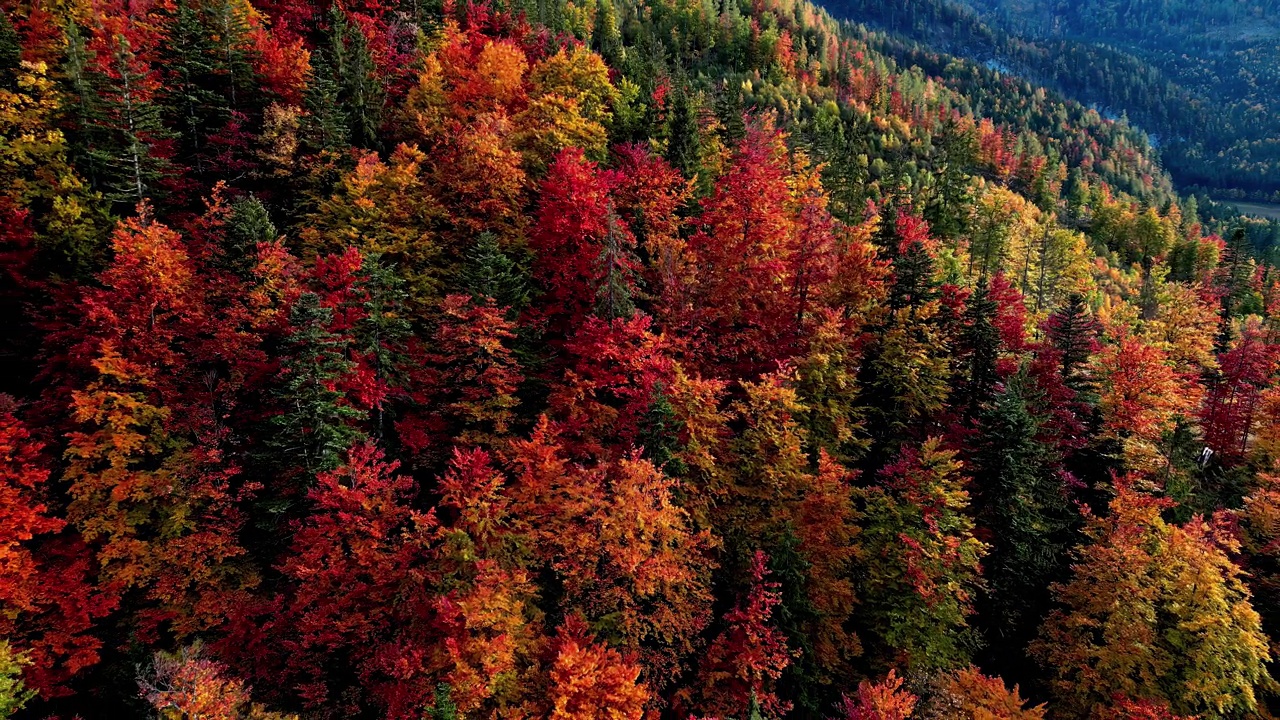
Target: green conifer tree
{"points": [[316, 425]]}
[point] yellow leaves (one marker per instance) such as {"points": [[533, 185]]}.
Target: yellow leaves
{"points": [[571, 102], [1005, 231], [499, 75], [1184, 329], [279, 138], [483, 99], [384, 208], [769, 452], [552, 123], [579, 75], [1155, 611]]}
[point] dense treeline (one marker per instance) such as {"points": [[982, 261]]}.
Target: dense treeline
{"points": [[1200, 77], [614, 360]]}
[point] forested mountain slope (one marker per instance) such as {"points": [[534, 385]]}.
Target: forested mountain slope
{"points": [[1200, 76], [610, 360]]}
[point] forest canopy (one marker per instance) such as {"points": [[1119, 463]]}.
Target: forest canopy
{"points": [[616, 359]]}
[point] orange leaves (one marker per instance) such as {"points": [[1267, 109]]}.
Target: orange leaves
{"points": [[590, 681], [488, 119], [1154, 611], [282, 64], [112, 490], [186, 685], [151, 269], [651, 586], [626, 554], [484, 612], [483, 635], [1140, 395], [885, 700], [981, 697], [496, 80]]}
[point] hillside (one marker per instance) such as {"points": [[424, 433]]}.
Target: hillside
{"points": [[614, 360], [1199, 76]]}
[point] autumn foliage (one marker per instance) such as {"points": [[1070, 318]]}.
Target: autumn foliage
{"points": [[501, 360]]}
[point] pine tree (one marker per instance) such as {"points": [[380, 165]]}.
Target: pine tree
{"points": [[729, 109], [345, 96], [382, 331], [490, 272], [10, 54], [980, 342], [1077, 194], [659, 437], [14, 695], [129, 143], [1073, 332], [920, 561], [316, 425], [248, 225], [325, 125], [194, 105], [605, 38], [1232, 278], [914, 283], [684, 150], [1023, 504], [956, 152], [617, 270], [443, 708]]}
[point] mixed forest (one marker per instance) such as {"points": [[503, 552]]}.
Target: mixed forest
{"points": [[616, 359], [1201, 76]]}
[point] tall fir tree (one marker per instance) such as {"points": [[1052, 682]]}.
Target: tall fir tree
{"points": [[316, 425], [1023, 505], [248, 225], [980, 348], [1072, 331]]}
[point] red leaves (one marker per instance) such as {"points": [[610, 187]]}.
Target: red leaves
{"points": [[478, 374], [1230, 406], [744, 307], [1127, 709], [1140, 394], [613, 370], [749, 655], [22, 514], [352, 567], [578, 224], [47, 602]]}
